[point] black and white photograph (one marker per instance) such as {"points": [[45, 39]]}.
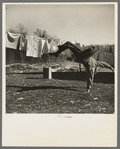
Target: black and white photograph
{"points": [[60, 60]]}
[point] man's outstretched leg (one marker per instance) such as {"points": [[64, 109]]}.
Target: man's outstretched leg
{"points": [[91, 68], [90, 79]]}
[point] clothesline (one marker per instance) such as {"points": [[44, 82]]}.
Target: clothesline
{"points": [[33, 45]]}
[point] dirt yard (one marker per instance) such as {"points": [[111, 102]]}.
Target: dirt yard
{"points": [[28, 92]]}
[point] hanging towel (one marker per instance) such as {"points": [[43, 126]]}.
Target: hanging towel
{"points": [[40, 48], [41, 45], [53, 46], [30, 48], [35, 47], [23, 43], [12, 40], [52, 42], [53, 49], [46, 47], [20, 43]]}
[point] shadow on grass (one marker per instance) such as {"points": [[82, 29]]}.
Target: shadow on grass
{"points": [[101, 77], [25, 88]]}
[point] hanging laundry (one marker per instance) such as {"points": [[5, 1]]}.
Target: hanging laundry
{"points": [[20, 43], [30, 48], [53, 46], [23, 43], [59, 42], [52, 42], [41, 45], [46, 47], [35, 47], [12, 40], [53, 49]]}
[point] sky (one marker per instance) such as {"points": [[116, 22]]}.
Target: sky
{"points": [[83, 23]]}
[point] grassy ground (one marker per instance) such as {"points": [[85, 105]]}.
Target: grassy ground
{"points": [[64, 93]]}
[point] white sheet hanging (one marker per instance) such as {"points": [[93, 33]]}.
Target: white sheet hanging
{"points": [[30, 48], [12, 40]]}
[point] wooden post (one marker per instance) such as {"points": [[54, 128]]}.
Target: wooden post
{"points": [[47, 73]]}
